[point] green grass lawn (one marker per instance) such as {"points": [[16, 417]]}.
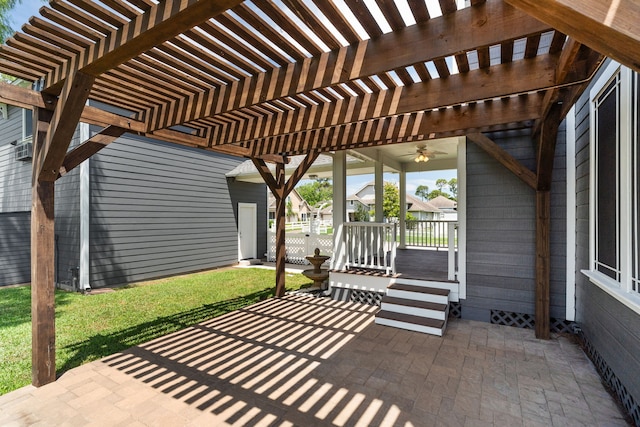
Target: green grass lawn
{"points": [[89, 327]]}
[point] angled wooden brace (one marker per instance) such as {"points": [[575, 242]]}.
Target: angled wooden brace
{"points": [[281, 190]]}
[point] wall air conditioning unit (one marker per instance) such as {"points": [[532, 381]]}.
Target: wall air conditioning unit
{"points": [[24, 150]]}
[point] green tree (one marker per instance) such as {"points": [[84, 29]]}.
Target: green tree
{"points": [[441, 183], [316, 192], [6, 29], [422, 191], [453, 187], [361, 214], [436, 193], [391, 201], [289, 208]]}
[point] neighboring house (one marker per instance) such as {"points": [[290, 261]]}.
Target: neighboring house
{"points": [[325, 214], [137, 210], [300, 209], [355, 204], [422, 211], [366, 196], [448, 208]]}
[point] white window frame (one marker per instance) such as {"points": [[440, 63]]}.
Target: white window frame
{"points": [[26, 133], [619, 289]]}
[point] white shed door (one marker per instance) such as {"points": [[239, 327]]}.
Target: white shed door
{"points": [[247, 230]]}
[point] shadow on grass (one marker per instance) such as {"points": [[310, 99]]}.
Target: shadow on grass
{"points": [[101, 345]]}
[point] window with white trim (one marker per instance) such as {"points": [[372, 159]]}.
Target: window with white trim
{"points": [[27, 123], [615, 183]]}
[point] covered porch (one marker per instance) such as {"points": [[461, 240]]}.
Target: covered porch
{"points": [[308, 361]]}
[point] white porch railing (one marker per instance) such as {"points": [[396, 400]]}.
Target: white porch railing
{"points": [[370, 245], [430, 234], [299, 245]]}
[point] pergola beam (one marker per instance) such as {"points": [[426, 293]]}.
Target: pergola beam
{"points": [[447, 122], [487, 24], [28, 98], [504, 80], [609, 27]]}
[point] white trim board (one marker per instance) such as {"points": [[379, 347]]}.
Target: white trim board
{"points": [[85, 208], [570, 304], [462, 217]]}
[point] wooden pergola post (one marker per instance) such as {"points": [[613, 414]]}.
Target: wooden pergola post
{"points": [[281, 188], [43, 354], [543, 263], [546, 155], [281, 220], [52, 135]]}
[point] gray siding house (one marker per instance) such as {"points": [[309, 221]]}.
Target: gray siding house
{"points": [[139, 209], [595, 231], [607, 227]]}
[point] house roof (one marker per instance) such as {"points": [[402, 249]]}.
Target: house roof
{"points": [[271, 201], [269, 78], [417, 205], [443, 202]]}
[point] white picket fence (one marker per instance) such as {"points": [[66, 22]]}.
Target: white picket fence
{"points": [[300, 245]]}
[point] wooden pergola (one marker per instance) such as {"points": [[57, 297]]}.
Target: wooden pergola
{"points": [[266, 80]]}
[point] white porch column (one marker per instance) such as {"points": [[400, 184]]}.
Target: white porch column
{"points": [[403, 205], [379, 187], [85, 198], [339, 206]]}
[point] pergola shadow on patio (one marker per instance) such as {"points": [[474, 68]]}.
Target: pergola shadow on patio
{"points": [[309, 361]]}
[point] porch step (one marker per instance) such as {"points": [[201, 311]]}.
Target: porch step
{"points": [[418, 293], [415, 308], [411, 323]]}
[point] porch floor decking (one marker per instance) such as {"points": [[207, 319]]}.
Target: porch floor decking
{"points": [[425, 264], [311, 362]]}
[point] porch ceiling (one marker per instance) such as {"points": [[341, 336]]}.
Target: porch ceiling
{"points": [[289, 77]]}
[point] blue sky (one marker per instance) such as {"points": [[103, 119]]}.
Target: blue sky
{"points": [[27, 8], [23, 11], [414, 179]]}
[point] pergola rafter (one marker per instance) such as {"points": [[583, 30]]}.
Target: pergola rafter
{"points": [[485, 25]]}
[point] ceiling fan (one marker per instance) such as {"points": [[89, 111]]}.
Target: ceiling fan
{"points": [[423, 154]]}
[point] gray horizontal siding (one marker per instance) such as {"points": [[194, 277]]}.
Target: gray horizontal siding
{"points": [[160, 209], [15, 202], [611, 327], [501, 232], [15, 248], [15, 175]]}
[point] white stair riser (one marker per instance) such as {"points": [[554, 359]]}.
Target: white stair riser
{"points": [[415, 311], [410, 326], [418, 296]]}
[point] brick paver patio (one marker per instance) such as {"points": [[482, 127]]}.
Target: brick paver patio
{"points": [[305, 361]]}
